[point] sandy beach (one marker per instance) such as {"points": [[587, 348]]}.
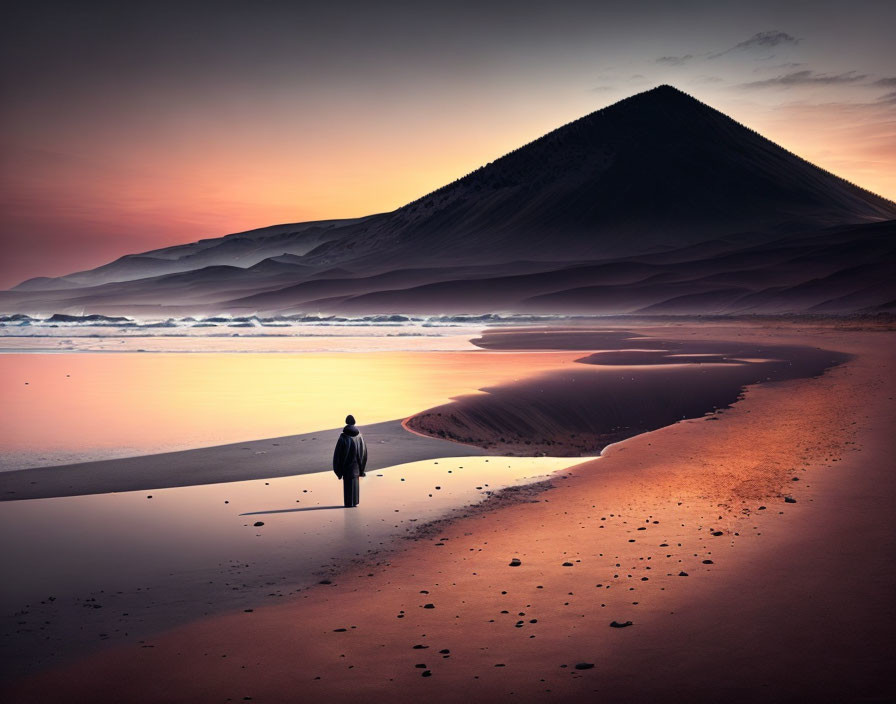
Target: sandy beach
{"points": [[750, 550], [448, 353]]}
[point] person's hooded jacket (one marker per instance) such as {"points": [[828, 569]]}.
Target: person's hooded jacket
{"points": [[350, 455]]}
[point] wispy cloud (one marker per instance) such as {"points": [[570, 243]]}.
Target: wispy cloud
{"points": [[807, 78], [779, 67], [888, 82], [761, 40], [674, 60], [888, 99]]}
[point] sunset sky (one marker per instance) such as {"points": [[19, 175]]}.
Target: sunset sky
{"points": [[129, 126]]}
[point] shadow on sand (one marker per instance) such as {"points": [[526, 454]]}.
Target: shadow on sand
{"points": [[291, 510]]}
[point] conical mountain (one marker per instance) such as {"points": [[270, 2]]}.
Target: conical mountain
{"points": [[659, 170]]}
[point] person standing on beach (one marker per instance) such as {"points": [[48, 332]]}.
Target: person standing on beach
{"points": [[350, 461]]}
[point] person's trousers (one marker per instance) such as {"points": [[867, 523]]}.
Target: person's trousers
{"points": [[350, 491]]}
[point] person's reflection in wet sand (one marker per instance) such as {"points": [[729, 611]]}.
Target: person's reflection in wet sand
{"points": [[353, 530]]}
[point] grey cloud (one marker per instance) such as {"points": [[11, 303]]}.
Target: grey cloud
{"points": [[889, 98], [674, 60], [761, 40], [885, 82], [767, 39], [807, 78]]}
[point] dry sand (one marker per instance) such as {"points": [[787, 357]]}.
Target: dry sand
{"points": [[729, 601]]}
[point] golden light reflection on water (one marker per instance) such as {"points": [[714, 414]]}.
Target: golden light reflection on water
{"points": [[138, 403]]}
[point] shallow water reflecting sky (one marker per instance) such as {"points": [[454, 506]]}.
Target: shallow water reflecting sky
{"points": [[60, 408]]}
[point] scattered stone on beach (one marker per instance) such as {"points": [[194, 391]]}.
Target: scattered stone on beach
{"points": [[429, 606], [339, 630], [420, 647], [617, 624], [149, 496], [515, 562], [708, 562], [585, 665], [682, 574], [568, 564], [717, 532], [258, 523], [789, 500], [426, 673], [325, 581], [421, 665]]}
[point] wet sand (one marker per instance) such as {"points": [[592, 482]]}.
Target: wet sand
{"points": [[633, 385], [96, 570], [729, 601], [390, 444]]}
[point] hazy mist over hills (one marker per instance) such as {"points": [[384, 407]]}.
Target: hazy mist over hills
{"points": [[656, 204]]}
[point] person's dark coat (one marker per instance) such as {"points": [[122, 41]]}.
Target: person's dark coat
{"points": [[350, 455]]}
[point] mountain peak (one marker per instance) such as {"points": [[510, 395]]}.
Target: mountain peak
{"points": [[664, 89], [662, 92]]}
